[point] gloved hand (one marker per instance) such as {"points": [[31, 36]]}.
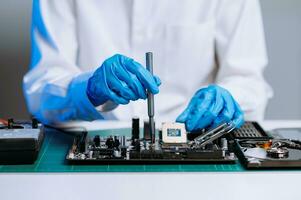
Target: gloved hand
{"points": [[211, 106], [121, 79]]}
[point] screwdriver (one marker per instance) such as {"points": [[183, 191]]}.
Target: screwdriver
{"points": [[150, 98]]}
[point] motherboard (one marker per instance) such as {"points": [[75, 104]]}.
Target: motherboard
{"points": [[170, 147]]}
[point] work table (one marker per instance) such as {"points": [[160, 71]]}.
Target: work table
{"points": [[51, 178]]}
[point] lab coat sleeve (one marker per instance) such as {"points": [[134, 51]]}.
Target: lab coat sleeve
{"points": [[55, 87], [241, 55]]}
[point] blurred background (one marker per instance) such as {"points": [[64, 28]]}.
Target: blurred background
{"points": [[283, 34]]}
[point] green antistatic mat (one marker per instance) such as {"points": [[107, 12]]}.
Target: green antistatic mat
{"points": [[56, 145]]}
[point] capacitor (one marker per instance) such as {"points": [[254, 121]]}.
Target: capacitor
{"points": [[90, 154], [146, 130], [127, 154], [116, 142], [224, 144], [96, 140], [135, 128], [110, 142]]}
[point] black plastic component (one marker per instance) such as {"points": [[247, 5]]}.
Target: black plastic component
{"points": [[142, 151], [123, 151], [135, 128], [194, 134], [251, 135], [34, 123], [96, 140], [116, 142], [82, 141], [250, 130], [110, 143], [146, 130], [160, 135]]}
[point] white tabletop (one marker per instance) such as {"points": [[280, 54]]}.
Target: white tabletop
{"points": [[168, 186]]}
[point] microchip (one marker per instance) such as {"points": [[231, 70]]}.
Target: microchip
{"points": [[173, 133]]}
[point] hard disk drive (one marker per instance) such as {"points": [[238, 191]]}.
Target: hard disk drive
{"points": [[256, 149]]}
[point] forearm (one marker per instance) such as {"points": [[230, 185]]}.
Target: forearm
{"points": [[60, 99]]}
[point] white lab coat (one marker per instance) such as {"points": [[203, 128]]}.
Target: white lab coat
{"points": [[195, 43]]}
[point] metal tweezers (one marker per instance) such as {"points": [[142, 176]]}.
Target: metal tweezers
{"points": [[212, 135]]}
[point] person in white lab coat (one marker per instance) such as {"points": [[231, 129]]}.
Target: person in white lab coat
{"points": [[196, 44]]}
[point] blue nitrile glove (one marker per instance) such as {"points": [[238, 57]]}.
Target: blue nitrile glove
{"points": [[211, 106], [121, 79]]}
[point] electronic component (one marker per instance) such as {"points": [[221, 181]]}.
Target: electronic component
{"points": [[122, 140], [135, 128], [96, 140], [281, 153], [20, 141], [253, 146], [266, 151], [277, 152], [110, 143], [250, 130], [146, 130], [212, 135], [82, 142], [172, 148], [174, 133]]}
